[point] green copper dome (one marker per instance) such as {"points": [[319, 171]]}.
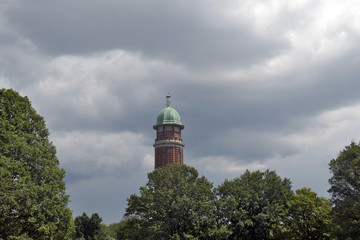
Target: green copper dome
{"points": [[168, 116]]}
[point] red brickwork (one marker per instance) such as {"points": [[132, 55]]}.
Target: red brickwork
{"points": [[168, 146]]}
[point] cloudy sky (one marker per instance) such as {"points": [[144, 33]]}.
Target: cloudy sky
{"points": [[258, 83]]}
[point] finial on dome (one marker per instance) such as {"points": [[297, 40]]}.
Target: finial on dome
{"points": [[168, 97]]}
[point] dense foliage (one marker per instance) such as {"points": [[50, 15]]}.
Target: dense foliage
{"points": [[33, 202], [91, 228], [345, 190], [307, 216], [250, 205], [175, 203]]}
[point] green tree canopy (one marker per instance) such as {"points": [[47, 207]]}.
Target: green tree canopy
{"points": [[250, 205], [88, 228], [174, 204], [307, 217], [345, 190], [130, 229], [33, 202]]}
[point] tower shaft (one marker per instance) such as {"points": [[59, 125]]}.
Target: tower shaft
{"points": [[168, 146]]}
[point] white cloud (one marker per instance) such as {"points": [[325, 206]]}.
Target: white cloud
{"points": [[86, 82], [93, 153], [329, 130], [323, 138], [148, 162], [99, 88], [4, 82], [317, 33], [223, 164]]}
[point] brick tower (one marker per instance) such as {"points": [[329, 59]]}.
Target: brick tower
{"points": [[168, 143]]}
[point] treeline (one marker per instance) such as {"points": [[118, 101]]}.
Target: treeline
{"points": [[175, 203], [178, 204]]}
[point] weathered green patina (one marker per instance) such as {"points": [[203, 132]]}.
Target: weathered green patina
{"points": [[168, 116]]}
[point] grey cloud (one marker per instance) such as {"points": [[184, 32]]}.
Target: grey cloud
{"points": [[101, 153], [104, 195], [176, 31], [114, 98], [19, 61], [285, 109]]}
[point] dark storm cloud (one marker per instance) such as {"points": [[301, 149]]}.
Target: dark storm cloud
{"points": [[219, 117], [186, 32], [19, 61]]}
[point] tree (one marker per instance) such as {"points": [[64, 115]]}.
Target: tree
{"points": [[250, 205], [307, 217], [345, 190], [89, 228], [130, 229], [105, 233], [114, 228], [174, 204], [33, 202], [81, 225]]}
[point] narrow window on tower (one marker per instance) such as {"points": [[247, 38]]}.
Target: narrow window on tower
{"points": [[160, 132], [168, 128], [177, 129]]}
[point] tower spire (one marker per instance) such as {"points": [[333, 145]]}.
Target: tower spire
{"points": [[168, 100]]}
